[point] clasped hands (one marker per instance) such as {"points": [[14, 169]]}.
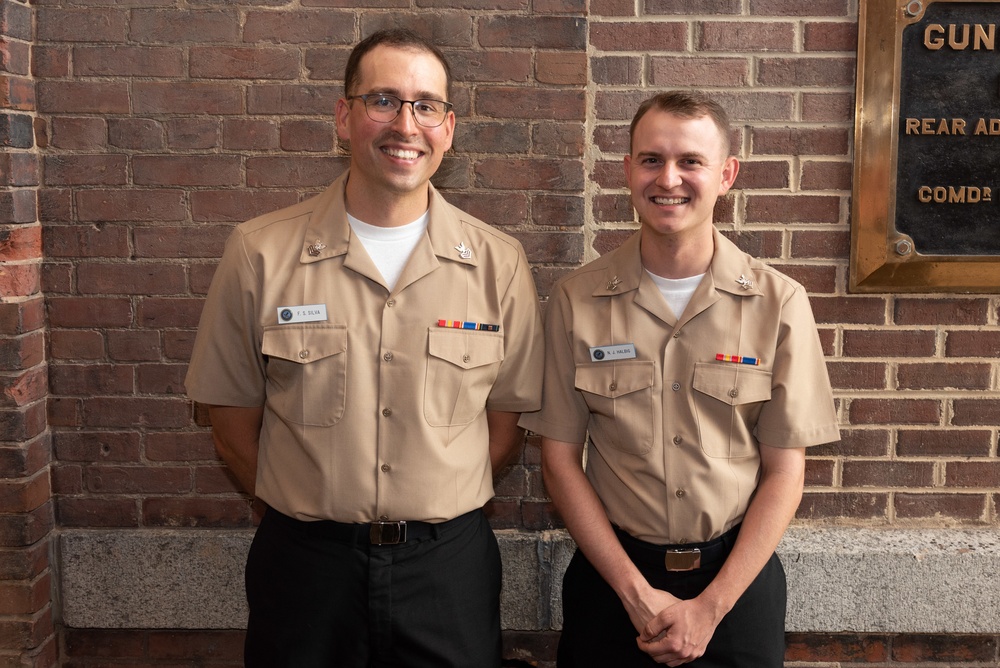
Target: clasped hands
{"points": [[671, 630]]}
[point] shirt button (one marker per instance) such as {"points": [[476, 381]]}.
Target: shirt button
{"points": [[676, 335], [677, 440], [391, 303], [387, 357], [734, 392], [386, 412], [680, 493], [613, 386], [676, 387], [386, 468], [466, 358], [383, 518], [303, 354]]}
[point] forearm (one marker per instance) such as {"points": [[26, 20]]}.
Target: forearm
{"points": [[768, 515], [236, 433], [506, 438]]}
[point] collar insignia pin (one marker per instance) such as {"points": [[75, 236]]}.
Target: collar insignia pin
{"points": [[744, 282], [614, 283], [316, 248], [463, 251]]}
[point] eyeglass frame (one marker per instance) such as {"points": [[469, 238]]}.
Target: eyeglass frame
{"points": [[448, 106]]}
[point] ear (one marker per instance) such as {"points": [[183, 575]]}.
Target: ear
{"points": [[343, 110], [627, 165], [449, 127], [729, 171]]}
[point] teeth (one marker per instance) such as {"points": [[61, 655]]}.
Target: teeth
{"points": [[670, 200], [401, 154]]}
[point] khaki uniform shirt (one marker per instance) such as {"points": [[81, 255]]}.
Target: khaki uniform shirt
{"points": [[674, 432], [371, 408]]}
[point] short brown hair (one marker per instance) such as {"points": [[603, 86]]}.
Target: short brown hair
{"points": [[395, 37], [686, 104]]}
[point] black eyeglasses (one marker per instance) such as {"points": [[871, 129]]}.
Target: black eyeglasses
{"points": [[385, 108]]}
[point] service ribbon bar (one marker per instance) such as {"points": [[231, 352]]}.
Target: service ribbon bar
{"points": [[738, 359], [461, 324]]}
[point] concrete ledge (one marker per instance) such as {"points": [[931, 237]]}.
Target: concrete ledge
{"points": [[839, 579]]}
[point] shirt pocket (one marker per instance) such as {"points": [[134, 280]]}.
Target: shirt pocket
{"points": [[620, 398], [461, 369], [306, 372], [727, 404]]}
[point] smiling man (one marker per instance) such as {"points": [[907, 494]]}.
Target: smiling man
{"points": [[694, 375], [365, 356]]}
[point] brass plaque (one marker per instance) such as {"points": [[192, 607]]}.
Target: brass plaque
{"points": [[925, 213]]}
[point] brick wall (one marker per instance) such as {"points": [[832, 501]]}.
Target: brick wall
{"points": [[26, 511], [162, 123]]}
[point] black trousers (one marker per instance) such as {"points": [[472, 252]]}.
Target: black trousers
{"points": [[320, 600], [597, 631]]}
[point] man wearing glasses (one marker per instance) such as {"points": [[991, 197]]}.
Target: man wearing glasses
{"points": [[365, 356]]}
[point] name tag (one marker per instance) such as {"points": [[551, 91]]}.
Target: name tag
{"points": [[305, 313], [620, 351]]}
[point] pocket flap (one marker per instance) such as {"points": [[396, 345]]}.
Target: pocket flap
{"points": [[465, 349], [733, 384], [304, 343], [615, 379]]}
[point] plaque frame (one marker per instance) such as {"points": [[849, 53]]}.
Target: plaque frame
{"points": [[882, 259]]}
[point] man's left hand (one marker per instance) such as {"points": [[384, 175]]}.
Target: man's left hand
{"points": [[680, 633]]}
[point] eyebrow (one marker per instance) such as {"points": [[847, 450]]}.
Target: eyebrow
{"points": [[421, 95], [657, 154]]}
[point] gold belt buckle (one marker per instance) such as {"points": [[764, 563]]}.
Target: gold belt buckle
{"points": [[387, 533], [682, 560]]}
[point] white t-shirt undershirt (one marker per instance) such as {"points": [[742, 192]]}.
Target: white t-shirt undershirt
{"points": [[389, 247], [677, 291]]}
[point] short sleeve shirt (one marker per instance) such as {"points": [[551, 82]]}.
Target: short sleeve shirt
{"points": [[374, 401], [675, 409]]}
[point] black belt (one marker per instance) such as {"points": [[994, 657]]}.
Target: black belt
{"points": [[682, 557], [373, 533]]}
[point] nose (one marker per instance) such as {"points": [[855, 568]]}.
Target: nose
{"points": [[405, 122], [669, 176]]}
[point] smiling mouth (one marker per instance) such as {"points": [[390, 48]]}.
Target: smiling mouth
{"points": [[401, 153], [670, 200]]}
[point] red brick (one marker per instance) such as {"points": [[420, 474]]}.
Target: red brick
{"points": [[818, 175], [25, 598], [137, 479], [800, 141], [17, 93], [943, 375], [19, 280], [691, 7], [243, 63], [23, 316], [745, 36], [106, 278], [856, 443], [200, 646], [227, 205], [81, 25], [680, 71], [193, 170], [82, 133], [26, 458], [20, 243], [802, 72], [83, 241], [249, 134], [201, 279], [26, 631], [941, 507], [758, 243], [297, 172], [196, 512], [15, 57], [819, 472], [50, 61], [497, 209], [299, 27], [836, 647], [89, 312], [843, 505], [136, 133], [830, 36], [307, 135], [22, 352], [565, 212], [180, 447], [153, 26], [813, 244], [292, 99], [943, 442], [838, 8], [19, 390], [884, 343], [857, 375], [561, 68], [530, 174], [895, 411], [102, 643], [564, 139], [968, 343], [132, 345], [168, 312], [533, 103], [540, 516], [82, 97], [104, 446], [130, 205], [23, 424], [793, 209], [887, 474], [616, 70], [95, 170], [543, 32], [95, 513], [25, 563], [638, 36], [940, 648], [955, 310], [827, 107], [193, 133], [973, 474], [974, 412], [86, 380], [161, 378], [18, 206], [177, 97], [493, 137], [849, 310], [25, 529], [764, 175], [24, 495], [18, 169], [128, 61]]}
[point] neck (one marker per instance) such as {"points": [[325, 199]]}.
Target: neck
{"points": [[384, 209], [671, 257]]}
